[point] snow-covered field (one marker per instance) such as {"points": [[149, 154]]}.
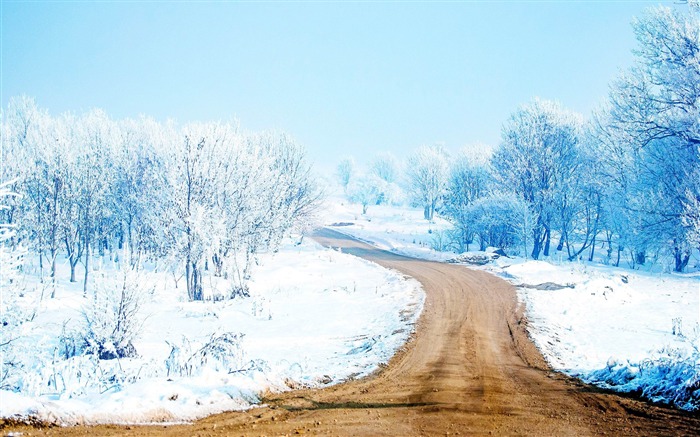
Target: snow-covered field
{"points": [[399, 229], [315, 317], [622, 329]]}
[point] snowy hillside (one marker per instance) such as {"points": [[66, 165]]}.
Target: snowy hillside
{"points": [[315, 317]]}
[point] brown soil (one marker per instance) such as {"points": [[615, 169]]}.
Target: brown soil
{"points": [[469, 370]]}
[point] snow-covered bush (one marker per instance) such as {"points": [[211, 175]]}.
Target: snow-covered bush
{"points": [[498, 221], [82, 375], [222, 352], [671, 377], [112, 319], [441, 240]]}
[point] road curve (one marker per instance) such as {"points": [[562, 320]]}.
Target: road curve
{"points": [[469, 370]]}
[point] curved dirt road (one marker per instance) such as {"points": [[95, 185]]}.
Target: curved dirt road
{"points": [[470, 370]]}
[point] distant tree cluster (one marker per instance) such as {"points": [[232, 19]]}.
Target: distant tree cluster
{"points": [[627, 181], [376, 185], [205, 196]]}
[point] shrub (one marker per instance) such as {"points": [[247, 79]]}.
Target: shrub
{"points": [[112, 319]]}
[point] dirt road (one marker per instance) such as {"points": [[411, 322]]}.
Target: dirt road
{"points": [[470, 370]]}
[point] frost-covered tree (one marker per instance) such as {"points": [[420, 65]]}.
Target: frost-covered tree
{"points": [[344, 171], [23, 123], [535, 159], [93, 173], [205, 196], [386, 167], [232, 196], [498, 220], [578, 201], [651, 128], [195, 165], [365, 191], [427, 171], [385, 170], [469, 180], [138, 188], [281, 197]]}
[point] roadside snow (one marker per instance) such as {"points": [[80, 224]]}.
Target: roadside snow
{"points": [[315, 317], [619, 329]]}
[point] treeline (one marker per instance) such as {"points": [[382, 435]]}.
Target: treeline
{"points": [[202, 198], [627, 180]]}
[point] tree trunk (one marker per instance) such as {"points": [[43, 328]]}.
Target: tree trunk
{"points": [[537, 244], [218, 262], [87, 264], [72, 270], [188, 279], [196, 282], [547, 236], [640, 258], [426, 213], [54, 228], [590, 257], [609, 249], [130, 242], [681, 257], [41, 266], [54, 254], [560, 246], [193, 278]]}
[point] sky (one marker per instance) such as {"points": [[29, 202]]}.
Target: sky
{"points": [[342, 78]]}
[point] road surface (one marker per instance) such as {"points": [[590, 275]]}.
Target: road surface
{"points": [[469, 370]]}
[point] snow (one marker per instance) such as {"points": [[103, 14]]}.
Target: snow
{"points": [[315, 317], [621, 329], [616, 328], [398, 229]]}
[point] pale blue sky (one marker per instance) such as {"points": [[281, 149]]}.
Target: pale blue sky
{"points": [[342, 78]]}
